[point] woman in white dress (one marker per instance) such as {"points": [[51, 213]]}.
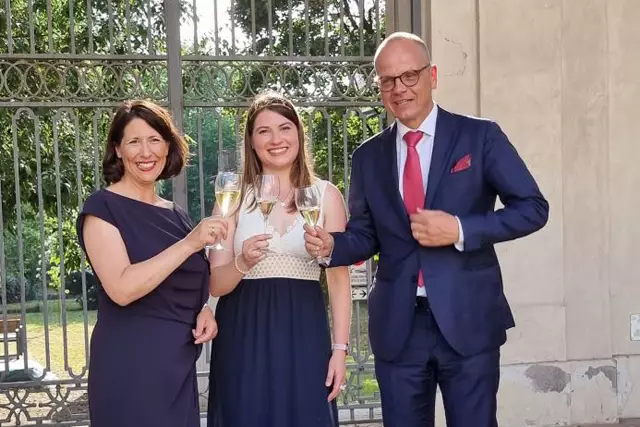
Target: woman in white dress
{"points": [[274, 361]]}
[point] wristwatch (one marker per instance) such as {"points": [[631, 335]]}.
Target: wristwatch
{"points": [[344, 347]]}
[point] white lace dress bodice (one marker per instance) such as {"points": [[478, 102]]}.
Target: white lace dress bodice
{"points": [[288, 257]]}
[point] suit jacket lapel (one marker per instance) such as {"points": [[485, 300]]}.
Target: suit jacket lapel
{"points": [[442, 148], [390, 184]]}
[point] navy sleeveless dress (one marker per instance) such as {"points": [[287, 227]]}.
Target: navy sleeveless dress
{"points": [[270, 359], [142, 358]]}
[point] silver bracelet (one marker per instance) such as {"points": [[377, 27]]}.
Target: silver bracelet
{"points": [[343, 347], [235, 263]]}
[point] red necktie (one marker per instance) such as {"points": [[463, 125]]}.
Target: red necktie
{"points": [[412, 187]]}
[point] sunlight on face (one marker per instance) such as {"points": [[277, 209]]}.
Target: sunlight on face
{"points": [[409, 104], [275, 140], [143, 152]]}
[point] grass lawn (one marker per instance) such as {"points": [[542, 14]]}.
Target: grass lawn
{"points": [[77, 335], [362, 383]]}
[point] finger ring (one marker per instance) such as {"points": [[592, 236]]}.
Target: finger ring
{"points": [[343, 387]]}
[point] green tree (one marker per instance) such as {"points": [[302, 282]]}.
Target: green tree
{"points": [[340, 31], [210, 130], [50, 157]]}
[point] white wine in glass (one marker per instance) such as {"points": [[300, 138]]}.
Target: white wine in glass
{"points": [[267, 190], [308, 202], [311, 215], [228, 189], [227, 200]]}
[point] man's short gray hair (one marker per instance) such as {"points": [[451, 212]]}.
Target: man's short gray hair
{"points": [[401, 35]]}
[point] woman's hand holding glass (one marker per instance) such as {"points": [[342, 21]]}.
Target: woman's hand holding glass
{"points": [[207, 232], [254, 250]]}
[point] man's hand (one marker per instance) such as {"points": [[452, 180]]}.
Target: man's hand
{"points": [[318, 242], [434, 228]]}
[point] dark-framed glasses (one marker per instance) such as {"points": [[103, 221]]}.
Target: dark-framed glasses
{"points": [[408, 78]]}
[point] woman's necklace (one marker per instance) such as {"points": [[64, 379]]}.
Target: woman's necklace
{"points": [[284, 202]]}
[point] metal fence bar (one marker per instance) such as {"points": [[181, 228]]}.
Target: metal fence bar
{"points": [[306, 28], [32, 37], [110, 19], [216, 32], [176, 92], [83, 274], [361, 25], [127, 24], [63, 303], [200, 162], [378, 26], [19, 218], [329, 79], [290, 22], [253, 27], [50, 27], [90, 25], [341, 29], [72, 29], [195, 26], [3, 294], [45, 303], [7, 6], [270, 26], [329, 145], [150, 46], [233, 26]]}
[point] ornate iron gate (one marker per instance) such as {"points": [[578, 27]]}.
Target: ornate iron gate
{"points": [[65, 65]]}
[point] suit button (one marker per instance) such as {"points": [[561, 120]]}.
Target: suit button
{"points": [[414, 279]]}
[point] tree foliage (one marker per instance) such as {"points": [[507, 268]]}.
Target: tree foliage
{"points": [[50, 157]]}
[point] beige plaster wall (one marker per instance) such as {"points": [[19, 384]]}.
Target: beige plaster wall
{"points": [[562, 77]]}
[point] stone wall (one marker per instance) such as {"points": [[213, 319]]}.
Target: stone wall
{"points": [[562, 77]]}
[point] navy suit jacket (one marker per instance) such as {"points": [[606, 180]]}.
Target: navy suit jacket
{"points": [[464, 288]]}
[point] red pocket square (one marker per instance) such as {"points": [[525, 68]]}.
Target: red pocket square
{"points": [[462, 164]]}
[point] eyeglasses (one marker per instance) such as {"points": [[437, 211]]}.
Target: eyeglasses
{"points": [[408, 78]]}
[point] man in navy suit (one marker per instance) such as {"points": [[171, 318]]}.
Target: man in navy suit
{"points": [[422, 195]]}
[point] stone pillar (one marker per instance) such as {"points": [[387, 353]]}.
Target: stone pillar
{"points": [[454, 35], [398, 15], [623, 39]]}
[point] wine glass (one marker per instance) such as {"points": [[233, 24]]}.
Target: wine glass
{"points": [[267, 190], [228, 189], [308, 202]]}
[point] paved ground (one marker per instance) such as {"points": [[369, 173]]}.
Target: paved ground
{"points": [[630, 423], [635, 424]]}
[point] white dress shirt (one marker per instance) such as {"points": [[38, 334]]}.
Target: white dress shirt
{"points": [[425, 150]]}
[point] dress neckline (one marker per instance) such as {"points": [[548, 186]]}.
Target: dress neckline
{"points": [[173, 205]]}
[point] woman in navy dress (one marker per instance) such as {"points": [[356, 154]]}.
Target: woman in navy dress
{"points": [[154, 276], [273, 363]]}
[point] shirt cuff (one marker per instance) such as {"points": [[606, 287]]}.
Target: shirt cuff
{"points": [[325, 262], [460, 244]]}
